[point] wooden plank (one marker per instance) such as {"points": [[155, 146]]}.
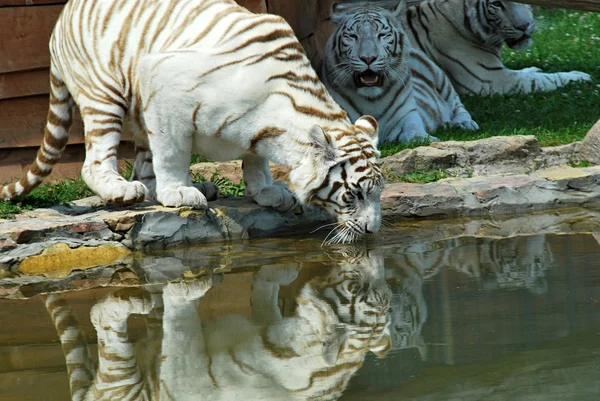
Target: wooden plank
{"points": [[583, 5], [24, 36], [24, 83], [23, 121], [14, 163], [300, 14], [15, 3], [256, 6]]}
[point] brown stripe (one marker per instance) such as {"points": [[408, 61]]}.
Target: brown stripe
{"points": [[275, 350], [267, 132]]}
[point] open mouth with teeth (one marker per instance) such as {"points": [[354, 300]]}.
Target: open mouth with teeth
{"points": [[368, 78], [512, 43]]}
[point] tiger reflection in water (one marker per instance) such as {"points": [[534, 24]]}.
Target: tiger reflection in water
{"points": [[311, 355]]}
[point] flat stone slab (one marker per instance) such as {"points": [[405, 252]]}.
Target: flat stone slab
{"points": [[88, 235]]}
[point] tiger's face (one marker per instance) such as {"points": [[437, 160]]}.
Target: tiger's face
{"points": [[348, 180], [360, 297], [367, 48], [510, 23]]}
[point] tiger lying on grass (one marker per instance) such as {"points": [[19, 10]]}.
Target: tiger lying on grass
{"points": [[209, 77], [370, 67], [465, 38]]}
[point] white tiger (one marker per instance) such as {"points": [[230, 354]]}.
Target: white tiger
{"points": [[206, 76], [369, 66], [310, 355], [465, 38]]}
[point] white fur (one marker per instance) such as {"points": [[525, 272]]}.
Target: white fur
{"points": [[440, 31], [415, 98]]}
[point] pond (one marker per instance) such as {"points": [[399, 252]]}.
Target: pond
{"points": [[464, 319]]}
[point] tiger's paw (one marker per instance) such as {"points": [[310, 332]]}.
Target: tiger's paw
{"points": [[182, 196], [574, 76], [277, 196], [185, 291], [125, 193], [116, 307], [464, 121], [209, 190]]}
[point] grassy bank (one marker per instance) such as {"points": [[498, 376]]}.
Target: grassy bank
{"points": [[564, 41]]}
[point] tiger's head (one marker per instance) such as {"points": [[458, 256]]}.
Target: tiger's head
{"points": [[497, 22], [366, 53], [358, 295], [344, 177]]}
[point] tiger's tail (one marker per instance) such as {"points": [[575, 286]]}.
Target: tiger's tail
{"points": [[80, 367], [56, 136]]}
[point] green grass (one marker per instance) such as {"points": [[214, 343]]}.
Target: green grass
{"points": [[564, 41], [421, 177], [46, 195]]}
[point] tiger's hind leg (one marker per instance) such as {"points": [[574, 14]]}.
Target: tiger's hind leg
{"points": [[143, 171], [103, 125], [260, 186], [119, 376]]}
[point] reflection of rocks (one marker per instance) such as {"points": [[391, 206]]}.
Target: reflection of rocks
{"points": [[312, 354], [166, 265]]}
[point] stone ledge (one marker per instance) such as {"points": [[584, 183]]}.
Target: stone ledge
{"points": [[88, 228]]}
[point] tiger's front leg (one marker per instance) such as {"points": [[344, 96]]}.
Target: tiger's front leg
{"points": [[260, 186]]}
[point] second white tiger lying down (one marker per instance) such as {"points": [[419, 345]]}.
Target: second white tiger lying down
{"points": [[371, 67], [466, 37], [210, 77]]}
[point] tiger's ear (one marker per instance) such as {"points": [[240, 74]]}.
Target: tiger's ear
{"points": [[324, 151], [368, 125], [338, 12], [399, 9]]}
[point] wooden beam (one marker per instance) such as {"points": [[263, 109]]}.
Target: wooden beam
{"points": [[24, 83], [17, 3], [583, 5], [24, 35]]}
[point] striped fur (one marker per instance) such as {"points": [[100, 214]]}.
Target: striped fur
{"points": [[310, 355], [466, 37], [209, 77], [369, 66]]}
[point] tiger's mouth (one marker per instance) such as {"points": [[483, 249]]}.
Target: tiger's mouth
{"points": [[368, 78], [517, 43]]}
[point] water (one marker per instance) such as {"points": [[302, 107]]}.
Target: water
{"points": [[469, 319]]}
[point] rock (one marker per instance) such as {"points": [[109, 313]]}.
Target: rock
{"points": [[419, 159], [233, 171], [60, 259], [414, 200], [590, 149], [6, 244], [493, 150]]}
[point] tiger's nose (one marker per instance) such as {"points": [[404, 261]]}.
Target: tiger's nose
{"points": [[368, 60], [367, 231], [524, 27]]}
